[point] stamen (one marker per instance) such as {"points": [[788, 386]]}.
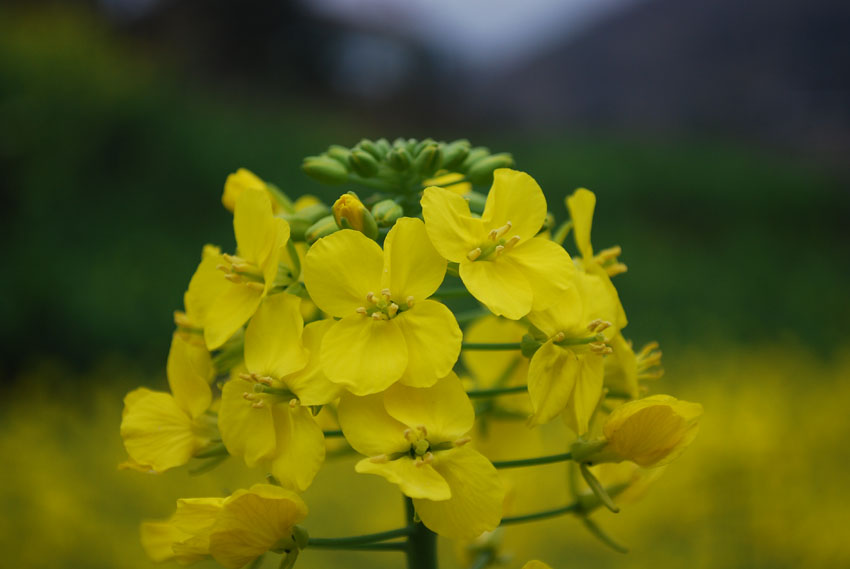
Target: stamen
{"points": [[370, 296], [361, 310], [379, 459], [377, 316], [293, 403], [513, 241], [386, 293], [256, 286], [258, 405], [409, 301], [499, 249], [474, 254], [265, 380], [248, 376], [249, 396], [392, 310], [223, 268], [462, 441], [498, 232], [428, 458], [234, 278], [423, 430], [233, 259], [559, 337], [600, 348], [407, 433]]}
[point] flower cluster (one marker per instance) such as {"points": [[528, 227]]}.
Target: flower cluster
{"points": [[340, 321]]}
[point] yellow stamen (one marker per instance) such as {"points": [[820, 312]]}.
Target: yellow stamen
{"points": [[379, 459], [559, 337], [234, 278], [377, 316], [370, 296], [428, 458], [513, 241], [258, 405], [293, 403], [499, 249], [361, 310], [392, 310], [498, 232], [462, 441], [256, 286], [409, 301], [474, 254]]}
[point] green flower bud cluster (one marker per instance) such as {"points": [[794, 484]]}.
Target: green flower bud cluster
{"points": [[404, 165]]}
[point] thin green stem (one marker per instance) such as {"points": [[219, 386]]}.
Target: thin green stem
{"points": [[359, 539], [421, 543], [381, 546], [473, 393], [490, 346], [451, 293], [333, 434], [483, 560], [470, 315], [570, 508], [563, 457]]}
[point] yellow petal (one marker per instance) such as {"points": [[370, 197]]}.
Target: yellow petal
{"points": [[300, 446], [273, 337], [196, 515], [158, 538], [236, 183], [652, 431], [412, 267], [621, 368], [586, 394], [340, 269], [500, 286], [566, 315], [190, 371], [230, 311], [246, 431], [253, 223], [206, 285], [367, 426], [581, 205], [547, 267], [363, 354], [450, 225], [156, 431], [415, 478], [515, 197], [277, 236], [552, 376], [310, 383], [433, 341], [252, 521], [443, 409], [477, 495]]}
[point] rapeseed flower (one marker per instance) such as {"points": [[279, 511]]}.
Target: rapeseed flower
{"points": [[416, 438], [265, 413], [388, 331], [501, 262]]}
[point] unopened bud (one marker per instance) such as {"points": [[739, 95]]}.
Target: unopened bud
{"points": [[383, 146], [455, 153], [363, 163], [321, 228], [370, 147], [399, 159], [325, 170], [339, 153], [482, 172], [300, 222], [350, 213], [477, 201], [386, 212], [473, 157], [428, 161]]}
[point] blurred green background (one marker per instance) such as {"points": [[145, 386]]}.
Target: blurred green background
{"points": [[114, 152]]}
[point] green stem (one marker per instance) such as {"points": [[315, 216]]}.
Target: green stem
{"points": [[421, 543], [470, 315], [490, 346], [483, 560], [473, 393], [533, 461], [374, 184], [296, 261], [570, 508], [385, 546], [359, 539], [333, 434]]}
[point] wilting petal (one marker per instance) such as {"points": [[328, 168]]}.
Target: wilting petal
{"points": [[412, 267], [500, 286], [340, 269], [477, 495], [415, 480], [433, 341], [363, 354], [443, 409]]}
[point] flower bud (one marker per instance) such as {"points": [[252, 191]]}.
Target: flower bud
{"points": [[350, 213], [399, 159], [383, 147], [475, 155], [363, 163], [455, 153], [321, 228], [386, 212], [481, 173], [370, 147], [325, 170], [477, 201], [301, 221], [339, 153], [428, 160], [650, 432]]}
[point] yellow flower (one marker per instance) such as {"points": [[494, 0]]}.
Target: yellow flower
{"points": [[252, 273], [241, 180], [164, 430], [602, 267], [415, 437], [388, 332], [265, 415], [450, 181], [649, 432], [350, 213], [234, 531], [204, 287], [565, 374], [502, 263]]}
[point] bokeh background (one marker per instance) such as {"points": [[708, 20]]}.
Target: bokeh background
{"points": [[715, 134]]}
